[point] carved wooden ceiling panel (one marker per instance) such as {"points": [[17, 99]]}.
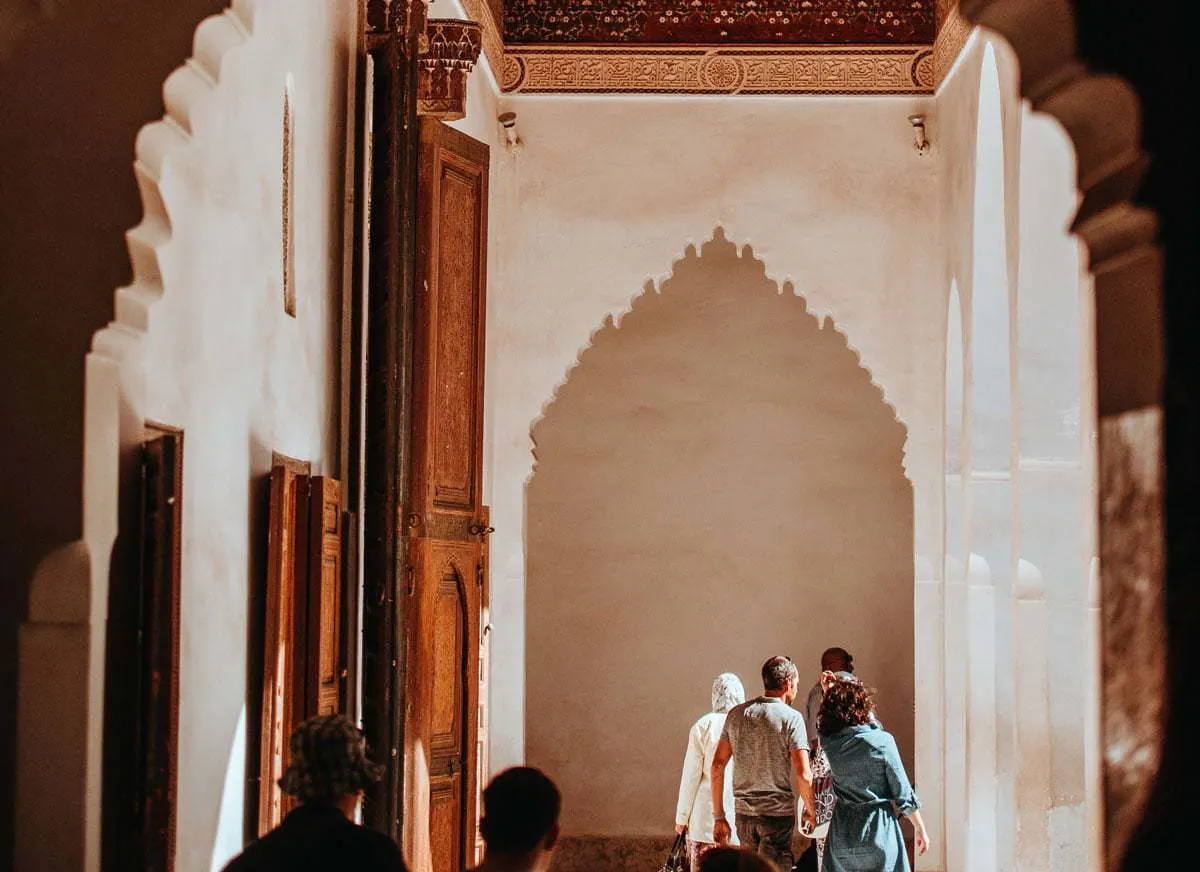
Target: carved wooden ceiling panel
{"points": [[720, 22]]}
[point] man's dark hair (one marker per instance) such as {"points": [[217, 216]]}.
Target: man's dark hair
{"points": [[777, 671], [837, 660], [520, 808]]}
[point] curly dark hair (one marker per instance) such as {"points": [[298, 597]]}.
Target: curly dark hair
{"points": [[847, 703]]}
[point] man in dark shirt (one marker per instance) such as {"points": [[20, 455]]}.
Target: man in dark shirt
{"points": [[328, 771]]}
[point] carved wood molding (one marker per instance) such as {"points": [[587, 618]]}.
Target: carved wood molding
{"points": [[719, 70], [481, 11], [951, 40], [451, 48]]}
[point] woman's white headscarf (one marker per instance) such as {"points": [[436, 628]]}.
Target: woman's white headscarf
{"points": [[727, 691]]}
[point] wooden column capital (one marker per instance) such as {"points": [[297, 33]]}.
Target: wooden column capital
{"points": [[451, 48]]}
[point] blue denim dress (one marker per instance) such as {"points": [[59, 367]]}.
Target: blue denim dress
{"points": [[871, 786]]}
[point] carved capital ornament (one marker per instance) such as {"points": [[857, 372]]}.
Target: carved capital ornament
{"points": [[450, 52]]}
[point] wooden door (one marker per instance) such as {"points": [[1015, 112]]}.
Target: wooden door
{"points": [[446, 517]]}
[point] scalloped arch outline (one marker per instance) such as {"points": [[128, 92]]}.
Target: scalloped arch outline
{"points": [[743, 251], [68, 596]]}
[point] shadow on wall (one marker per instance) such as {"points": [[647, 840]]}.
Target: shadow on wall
{"points": [[82, 82], [717, 481]]}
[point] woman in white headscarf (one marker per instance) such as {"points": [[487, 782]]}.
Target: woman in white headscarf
{"points": [[693, 812]]}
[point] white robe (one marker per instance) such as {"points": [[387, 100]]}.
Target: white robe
{"points": [[695, 787]]}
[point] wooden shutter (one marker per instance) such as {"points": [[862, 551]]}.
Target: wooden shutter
{"points": [[142, 666], [279, 710], [162, 506], [319, 605], [303, 663]]}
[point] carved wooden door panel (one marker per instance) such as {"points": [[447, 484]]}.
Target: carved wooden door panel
{"points": [[447, 612], [446, 516]]}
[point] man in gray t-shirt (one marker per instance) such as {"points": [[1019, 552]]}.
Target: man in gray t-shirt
{"points": [[768, 742]]}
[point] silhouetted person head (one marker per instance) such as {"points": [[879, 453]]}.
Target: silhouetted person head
{"points": [[780, 678], [727, 691], [837, 660], [520, 819], [735, 860], [847, 703], [329, 763]]}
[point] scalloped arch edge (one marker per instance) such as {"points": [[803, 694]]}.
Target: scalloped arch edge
{"points": [[744, 251]]}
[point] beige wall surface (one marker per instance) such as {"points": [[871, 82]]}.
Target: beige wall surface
{"points": [[604, 195], [718, 481]]}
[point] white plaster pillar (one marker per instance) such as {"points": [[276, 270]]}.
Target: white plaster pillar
{"points": [[1032, 728], [929, 660], [981, 718], [955, 640]]}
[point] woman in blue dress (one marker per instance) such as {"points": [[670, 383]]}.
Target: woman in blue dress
{"points": [[870, 783]]}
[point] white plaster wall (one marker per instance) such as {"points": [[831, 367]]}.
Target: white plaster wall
{"points": [[605, 194], [222, 360]]}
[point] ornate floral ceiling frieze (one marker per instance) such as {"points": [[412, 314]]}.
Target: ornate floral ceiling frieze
{"points": [[719, 22], [754, 47]]}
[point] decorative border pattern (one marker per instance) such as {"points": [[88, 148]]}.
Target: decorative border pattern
{"points": [[951, 40], [719, 70]]}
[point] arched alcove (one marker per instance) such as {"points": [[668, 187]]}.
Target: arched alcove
{"points": [[990, 383], [717, 481]]}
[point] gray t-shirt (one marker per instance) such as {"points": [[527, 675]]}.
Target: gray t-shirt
{"points": [[763, 733]]}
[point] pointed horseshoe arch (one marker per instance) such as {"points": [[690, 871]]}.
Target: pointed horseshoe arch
{"points": [[718, 479]]}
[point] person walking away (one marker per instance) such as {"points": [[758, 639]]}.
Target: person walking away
{"points": [[767, 741], [840, 662], [328, 772], [520, 821], [870, 782], [693, 810]]}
